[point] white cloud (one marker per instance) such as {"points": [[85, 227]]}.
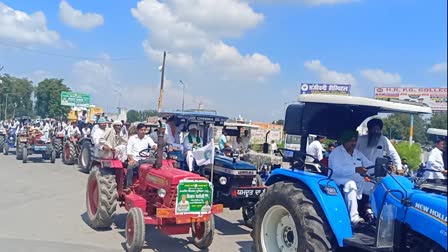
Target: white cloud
{"points": [[236, 66], [439, 68], [93, 77], [25, 28], [76, 19], [222, 18], [193, 35], [329, 76], [379, 77], [308, 2]]}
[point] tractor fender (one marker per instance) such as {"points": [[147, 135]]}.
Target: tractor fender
{"points": [[332, 205]]}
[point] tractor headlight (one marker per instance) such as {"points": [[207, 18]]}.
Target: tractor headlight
{"points": [[161, 192], [223, 180], [254, 181]]}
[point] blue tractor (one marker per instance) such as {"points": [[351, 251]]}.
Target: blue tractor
{"points": [[10, 141], [303, 209], [236, 183]]}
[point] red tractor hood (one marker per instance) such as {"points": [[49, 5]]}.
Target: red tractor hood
{"points": [[166, 176]]}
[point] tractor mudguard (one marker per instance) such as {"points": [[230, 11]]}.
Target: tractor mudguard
{"points": [[332, 205], [113, 164]]}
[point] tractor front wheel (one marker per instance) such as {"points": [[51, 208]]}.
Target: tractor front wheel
{"points": [[85, 157], [6, 149], [2, 142], [19, 151], [288, 218], [203, 233], [53, 157], [135, 230], [24, 154], [101, 198], [57, 145], [69, 153], [248, 216]]}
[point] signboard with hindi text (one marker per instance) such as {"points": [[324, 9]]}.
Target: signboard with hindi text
{"points": [[436, 98], [194, 197], [75, 99], [329, 89]]}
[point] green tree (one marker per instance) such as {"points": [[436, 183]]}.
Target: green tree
{"points": [[439, 121], [133, 116], [396, 126], [48, 98], [411, 152], [15, 94]]}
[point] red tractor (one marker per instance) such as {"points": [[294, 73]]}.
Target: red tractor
{"points": [[70, 150], [173, 200], [58, 140]]}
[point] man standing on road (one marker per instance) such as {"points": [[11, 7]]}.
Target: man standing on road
{"points": [[316, 149], [435, 170], [136, 144], [347, 164]]}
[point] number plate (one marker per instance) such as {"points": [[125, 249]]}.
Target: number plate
{"points": [[247, 193], [37, 147]]}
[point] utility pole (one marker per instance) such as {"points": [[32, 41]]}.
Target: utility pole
{"points": [[183, 94], [6, 104], [161, 83]]}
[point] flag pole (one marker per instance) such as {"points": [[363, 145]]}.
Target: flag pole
{"points": [[213, 161]]}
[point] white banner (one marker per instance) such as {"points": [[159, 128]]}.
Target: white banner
{"points": [[205, 155]]}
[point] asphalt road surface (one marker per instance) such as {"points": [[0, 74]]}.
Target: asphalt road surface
{"points": [[42, 208]]}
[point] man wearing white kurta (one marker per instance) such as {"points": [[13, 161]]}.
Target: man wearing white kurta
{"points": [[435, 169], [191, 142], [136, 144], [347, 164], [316, 149], [375, 145], [173, 133], [97, 134]]}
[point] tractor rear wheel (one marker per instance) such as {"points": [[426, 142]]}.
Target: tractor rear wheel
{"points": [[135, 230], [53, 157], [203, 233], [19, 151], [57, 145], [85, 157], [101, 198], [288, 218], [2, 142], [24, 154], [69, 153]]}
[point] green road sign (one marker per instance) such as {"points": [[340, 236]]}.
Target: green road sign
{"points": [[194, 197], [75, 99]]}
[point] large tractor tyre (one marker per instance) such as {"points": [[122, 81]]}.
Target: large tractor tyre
{"points": [[69, 153], [19, 151], [85, 160], [24, 155], [248, 216], [101, 198], [135, 230], [259, 180], [53, 157], [57, 145], [203, 233], [2, 142], [288, 218], [6, 149]]}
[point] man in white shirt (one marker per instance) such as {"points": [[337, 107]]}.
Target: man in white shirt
{"points": [[73, 129], [136, 144], [192, 141], [246, 139], [86, 131], [173, 133], [316, 149], [347, 164], [238, 144], [97, 134], [435, 170]]}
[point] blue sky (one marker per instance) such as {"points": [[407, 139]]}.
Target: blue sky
{"points": [[237, 57]]}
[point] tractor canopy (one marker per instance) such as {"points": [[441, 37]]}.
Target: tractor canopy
{"points": [[437, 132], [330, 115]]}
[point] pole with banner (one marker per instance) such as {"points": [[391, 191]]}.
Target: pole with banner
{"points": [[411, 129]]}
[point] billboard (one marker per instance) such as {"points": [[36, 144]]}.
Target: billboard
{"points": [[75, 99], [436, 98], [330, 89]]}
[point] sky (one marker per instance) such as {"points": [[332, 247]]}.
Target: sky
{"points": [[237, 57]]}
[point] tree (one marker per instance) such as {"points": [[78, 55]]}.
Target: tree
{"points": [[439, 121], [411, 152], [15, 94], [48, 98], [279, 122], [133, 116], [396, 126]]}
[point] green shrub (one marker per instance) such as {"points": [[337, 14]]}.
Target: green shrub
{"points": [[411, 152]]}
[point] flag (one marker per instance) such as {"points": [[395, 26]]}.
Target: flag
{"points": [[205, 155]]}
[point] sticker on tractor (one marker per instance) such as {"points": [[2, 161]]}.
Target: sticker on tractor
{"points": [[194, 197]]}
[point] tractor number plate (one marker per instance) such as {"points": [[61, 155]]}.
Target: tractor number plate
{"points": [[37, 147], [247, 193]]}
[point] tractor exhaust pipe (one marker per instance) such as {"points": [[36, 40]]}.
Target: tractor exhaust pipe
{"points": [[159, 156]]}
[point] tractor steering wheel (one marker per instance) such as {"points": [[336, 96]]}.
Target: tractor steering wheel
{"points": [[147, 153]]}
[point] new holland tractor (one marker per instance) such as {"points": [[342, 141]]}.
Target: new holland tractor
{"points": [[171, 199], [236, 183], [303, 209]]}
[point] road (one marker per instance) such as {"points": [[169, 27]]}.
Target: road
{"points": [[42, 208]]}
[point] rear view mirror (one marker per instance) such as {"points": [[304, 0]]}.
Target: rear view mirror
{"points": [[381, 167]]}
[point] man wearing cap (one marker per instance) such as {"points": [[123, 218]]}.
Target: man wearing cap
{"points": [[111, 142], [347, 164], [192, 141], [97, 134], [375, 144], [73, 129]]}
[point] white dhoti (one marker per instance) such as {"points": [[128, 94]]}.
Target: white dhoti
{"points": [[353, 191], [189, 158]]}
